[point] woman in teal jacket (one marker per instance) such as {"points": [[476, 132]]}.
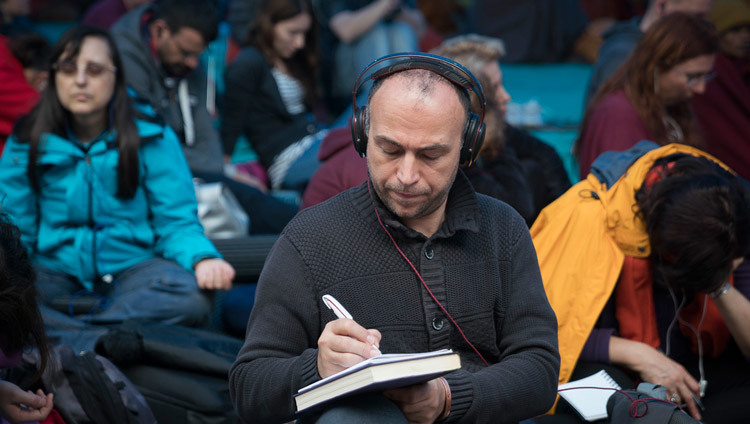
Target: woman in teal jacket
{"points": [[104, 200]]}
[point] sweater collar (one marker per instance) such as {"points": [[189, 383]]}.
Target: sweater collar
{"points": [[461, 211]]}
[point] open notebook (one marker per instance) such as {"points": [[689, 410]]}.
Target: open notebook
{"points": [[589, 402], [378, 374]]}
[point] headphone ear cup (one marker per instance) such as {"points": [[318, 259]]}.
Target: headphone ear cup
{"points": [[473, 139], [359, 137]]}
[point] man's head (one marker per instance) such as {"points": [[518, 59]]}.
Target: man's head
{"points": [[180, 30], [415, 121], [480, 55], [732, 20]]}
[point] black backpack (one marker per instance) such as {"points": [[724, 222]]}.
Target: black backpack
{"points": [[88, 388], [182, 372]]}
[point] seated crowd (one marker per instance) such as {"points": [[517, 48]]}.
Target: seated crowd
{"points": [[393, 180]]}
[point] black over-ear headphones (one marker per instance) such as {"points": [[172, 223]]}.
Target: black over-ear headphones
{"points": [[452, 71]]}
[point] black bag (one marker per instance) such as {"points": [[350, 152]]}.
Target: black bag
{"points": [[643, 408], [88, 388], [182, 372]]}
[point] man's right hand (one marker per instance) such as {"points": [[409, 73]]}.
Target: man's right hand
{"points": [[345, 343]]}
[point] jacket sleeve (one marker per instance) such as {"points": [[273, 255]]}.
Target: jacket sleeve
{"points": [[16, 195], [284, 322], [550, 164], [242, 79], [172, 204], [523, 383]]}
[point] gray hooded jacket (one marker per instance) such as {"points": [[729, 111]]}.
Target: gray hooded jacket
{"points": [[180, 102]]}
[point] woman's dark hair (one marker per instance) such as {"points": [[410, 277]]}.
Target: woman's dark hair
{"points": [[697, 217], [673, 39], [49, 116], [303, 64], [20, 320]]}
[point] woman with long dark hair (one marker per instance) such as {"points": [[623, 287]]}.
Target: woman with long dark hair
{"points": [[20, 327], [104, 199], [271, 90], [648, 97]]}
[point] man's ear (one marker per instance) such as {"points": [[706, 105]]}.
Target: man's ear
{"points": [[159, 30]]}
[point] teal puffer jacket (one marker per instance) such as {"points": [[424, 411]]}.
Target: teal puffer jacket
{"points": [[76, 224]]}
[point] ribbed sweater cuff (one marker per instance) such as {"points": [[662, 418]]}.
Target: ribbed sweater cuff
{"points": [[308, 367], [462, 393]]}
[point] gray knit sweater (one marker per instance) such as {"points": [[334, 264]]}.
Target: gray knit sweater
{"points": [[480, 264]]}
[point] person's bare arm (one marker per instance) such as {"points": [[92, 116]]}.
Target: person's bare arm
{"points": [[351, 24], [735, 309]]}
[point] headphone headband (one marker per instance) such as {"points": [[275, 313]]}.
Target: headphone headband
{"points": [[428, 61], [442, 66]]}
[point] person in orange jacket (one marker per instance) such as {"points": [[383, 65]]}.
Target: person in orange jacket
{"points": [[637, 260]]}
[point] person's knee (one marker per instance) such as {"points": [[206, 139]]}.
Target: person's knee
{"points": [[194, 309], [177, 296], [370, 408]]}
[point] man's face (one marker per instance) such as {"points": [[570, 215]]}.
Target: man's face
{"points": [[736, 41], [692, 7], [179, 52], [685, 79], [497, 89], [413, 149]]}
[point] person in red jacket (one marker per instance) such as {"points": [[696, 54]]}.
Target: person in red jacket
{"points": [[342, 168], [17, 96]]}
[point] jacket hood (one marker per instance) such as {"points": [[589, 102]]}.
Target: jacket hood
{"points": [[336, 141], [129, 37]]}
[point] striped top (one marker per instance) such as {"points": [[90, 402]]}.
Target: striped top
{"points": [[291, 91]]}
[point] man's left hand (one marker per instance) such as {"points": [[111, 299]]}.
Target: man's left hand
{"points": [[421, 403], [214, 274]]}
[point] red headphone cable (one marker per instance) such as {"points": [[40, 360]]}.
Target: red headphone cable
{"points": [[424, 284]]}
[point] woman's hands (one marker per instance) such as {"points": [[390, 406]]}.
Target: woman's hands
{"points": [[18, 406], [655, 367], [214, 274]]}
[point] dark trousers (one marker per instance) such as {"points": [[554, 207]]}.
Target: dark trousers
{"points": [[372, 408]]}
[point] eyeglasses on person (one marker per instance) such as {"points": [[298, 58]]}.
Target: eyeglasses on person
{"points": [[692, 79], [92, 69]]}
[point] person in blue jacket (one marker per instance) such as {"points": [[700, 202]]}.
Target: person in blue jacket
{"points": [[104, 199]]}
